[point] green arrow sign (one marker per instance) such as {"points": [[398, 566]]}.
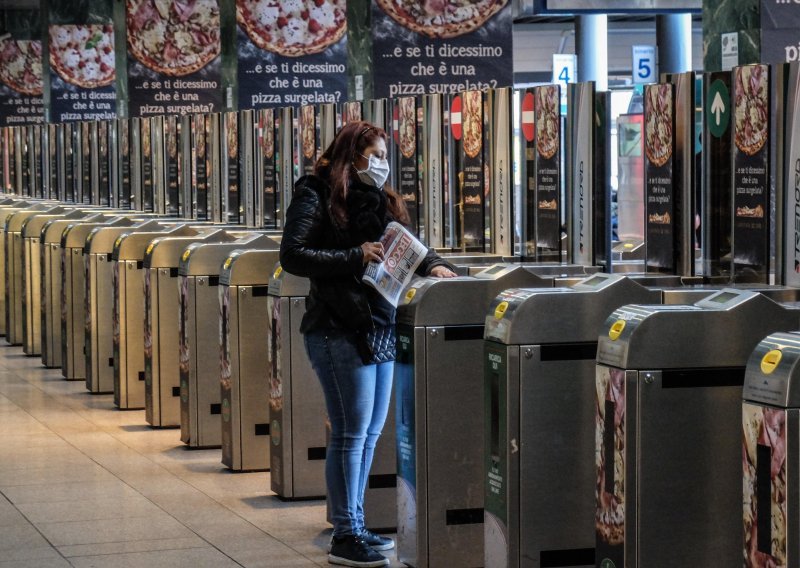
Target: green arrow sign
{"points": [[718, 108]]}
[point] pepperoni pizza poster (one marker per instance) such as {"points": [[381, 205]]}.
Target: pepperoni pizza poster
{"points": [[174, 63], [407, 114], [82, 72], [291, 52], [440, 46], [467, 128], [21, 85], [548, 170], [751, 201]]}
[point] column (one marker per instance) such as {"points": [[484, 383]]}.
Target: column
{"points": [[674, 41], [591, 46]]}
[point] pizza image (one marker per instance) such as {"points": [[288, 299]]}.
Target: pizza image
{"points": [[145, 127], [658, 123], [352, 112], [763, 426], [232, 135], [472, 121], [267, 133], [274, 355], [441, 18], [610, 512], [407, 126], [659, 218], [173, 37], [551, 205], [751, 96], [756, 212], [307, 131], [21, 65], [547, 120], [172, 137], [293, 28], [83, 55]]}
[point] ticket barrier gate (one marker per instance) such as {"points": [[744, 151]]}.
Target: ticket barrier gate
{"points": [[668, 427], [128, 313], [7, 208], [15, 271], [33, 275], [539, 371], [770, 435], [199, 273], [51, 286], [73, 293], [162, 385], [244, 312], [98, 299], [296, 403], [439, 414]]}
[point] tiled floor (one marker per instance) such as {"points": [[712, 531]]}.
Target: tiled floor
{"points": [[83, 484]]}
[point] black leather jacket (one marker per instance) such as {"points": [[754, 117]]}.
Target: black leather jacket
{"points": [[314, 247]]}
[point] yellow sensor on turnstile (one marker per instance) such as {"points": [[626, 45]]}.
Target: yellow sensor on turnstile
{"points": [[410, 295], [277, 272], [116, 243], [150, 248], [228, 262], [186, 254], [628, 245], [500, 310], [770, 361], [616, 329]]}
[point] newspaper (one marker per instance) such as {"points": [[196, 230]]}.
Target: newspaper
{"points": [[402, 255]]}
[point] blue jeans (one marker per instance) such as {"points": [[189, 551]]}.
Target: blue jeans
{"points": [[357, 398]]}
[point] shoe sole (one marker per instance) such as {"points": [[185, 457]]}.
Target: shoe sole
{"points": [[355, 564], [379, 548]]}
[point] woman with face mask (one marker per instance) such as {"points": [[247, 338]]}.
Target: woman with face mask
{"points": [[333, 229]]}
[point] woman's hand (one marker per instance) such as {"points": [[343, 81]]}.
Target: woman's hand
{"points": [[442, 272], [372, 251]]}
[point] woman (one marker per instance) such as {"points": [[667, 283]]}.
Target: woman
{"points": [[333, 227]]}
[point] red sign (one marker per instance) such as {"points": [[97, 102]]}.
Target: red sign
{"points": [[396, 121], [455, 117], [527, 117]]}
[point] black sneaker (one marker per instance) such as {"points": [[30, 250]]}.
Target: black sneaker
{"points": [[376, 541], [353, 551]]}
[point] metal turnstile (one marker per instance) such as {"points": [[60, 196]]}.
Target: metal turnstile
{"points": [[99, 299], [199, 272], [439, 414], [7, 208], [14, 269], [770, 445], [244, 314], [668, 428], [296, 403], [161, 322], [73, 294], [32, 276], [539, 370], [50, 242], [129, 309]]}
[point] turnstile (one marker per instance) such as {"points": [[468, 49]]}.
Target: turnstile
{"points": [[538, 443], [32, 275], [668, 428], [128, 313], [770, 445], [199, 272], [439, 414], [7, 208], [14, 269], [244, 314], [99, 299], [296, 403], [51, 287], [73, 294], [162, 382]]}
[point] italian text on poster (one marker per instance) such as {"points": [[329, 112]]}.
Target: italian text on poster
{"points": [[21, 82], [780, 31], [440, 47], [173, 57], [291, 52], [82, 72], [659, 145]]}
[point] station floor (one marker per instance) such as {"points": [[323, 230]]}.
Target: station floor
{"points": [[83, 484]]}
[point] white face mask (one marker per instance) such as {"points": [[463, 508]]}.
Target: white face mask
{"points": [[377, 171]]}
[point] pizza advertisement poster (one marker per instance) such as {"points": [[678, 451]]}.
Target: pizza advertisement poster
{"points": [[751, 199], [548, 167], [267, 160], [308, 139], [351, 112], [764, 445], [467, 128], [230, 166], [174, 63], [291, 52], [172, 160], [21, 85], [659, 121], [440, 46], [610, 464], [82, 72], [407, 113]]}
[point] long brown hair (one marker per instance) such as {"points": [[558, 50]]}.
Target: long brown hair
{"points": [[336, 166]]}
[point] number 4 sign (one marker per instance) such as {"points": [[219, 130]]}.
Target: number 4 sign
{"points": [[644, 64], [565, 69]]}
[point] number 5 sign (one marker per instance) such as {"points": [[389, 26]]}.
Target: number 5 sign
{"points": [[644, 64]]}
